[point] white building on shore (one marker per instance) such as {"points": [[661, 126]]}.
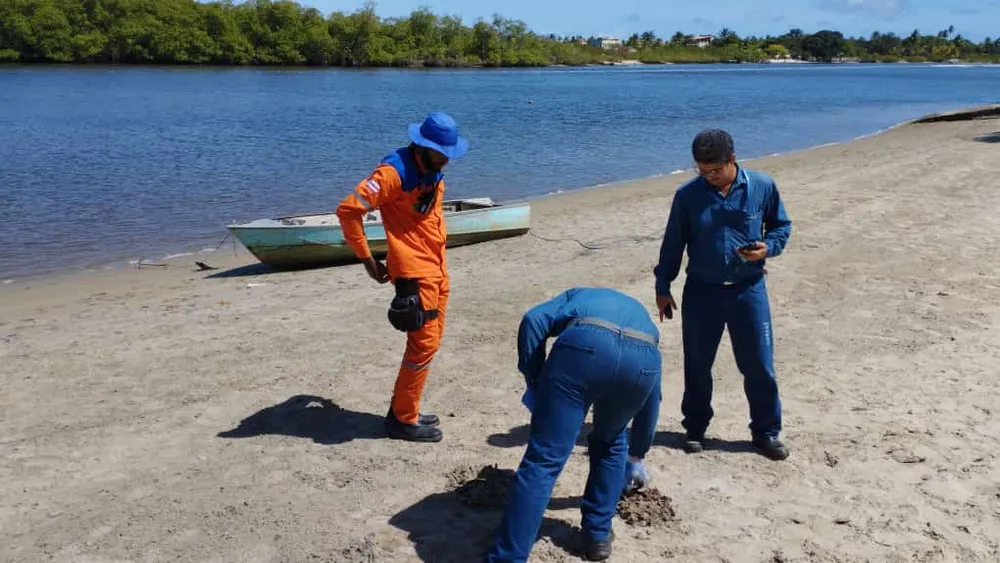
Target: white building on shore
{"points": [[701, 40], [606, 43]]}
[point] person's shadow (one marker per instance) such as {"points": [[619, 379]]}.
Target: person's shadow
{"points": [[308, 416], [443, 530], [675, 441], [518, 437]]}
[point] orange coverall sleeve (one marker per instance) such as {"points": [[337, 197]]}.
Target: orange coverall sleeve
{"points": [[381, 187]]}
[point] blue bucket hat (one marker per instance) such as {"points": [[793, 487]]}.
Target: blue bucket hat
{"points": [[439, 132]]}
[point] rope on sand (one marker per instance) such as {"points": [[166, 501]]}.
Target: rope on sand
{"points": [[201, 265], [605, 243]]}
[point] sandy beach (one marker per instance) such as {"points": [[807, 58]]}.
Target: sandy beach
{"points": [[235, 415]]}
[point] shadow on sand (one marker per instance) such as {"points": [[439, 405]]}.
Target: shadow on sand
{"points": [[675, 441], [261, 269], [244, 271], [444, 530], [990, 138], [518, 437], [308, 416]]}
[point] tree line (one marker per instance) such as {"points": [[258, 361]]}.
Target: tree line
{"points": [[826, 46], [266, 32]]}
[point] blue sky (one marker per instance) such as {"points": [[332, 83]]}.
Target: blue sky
{"points": [[975, 19]]}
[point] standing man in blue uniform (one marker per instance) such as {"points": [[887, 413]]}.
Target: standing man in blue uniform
{"points": [[605, 355], [730, 219]]}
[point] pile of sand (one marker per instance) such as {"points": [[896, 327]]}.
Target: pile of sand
{"points": [[485, 489], [647, 508]]}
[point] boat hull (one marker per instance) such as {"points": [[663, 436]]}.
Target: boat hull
{"points": [[282, 245]]}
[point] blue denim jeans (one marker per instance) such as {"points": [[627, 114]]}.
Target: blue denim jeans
{"points": [[588, 365], [705, 310], [644, 425]]}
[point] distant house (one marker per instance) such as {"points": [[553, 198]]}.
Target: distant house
{"points": [[701, 40], [606, 43]]}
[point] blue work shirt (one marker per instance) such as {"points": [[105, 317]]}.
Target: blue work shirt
{"points": [[713, 227], [550, 318]]}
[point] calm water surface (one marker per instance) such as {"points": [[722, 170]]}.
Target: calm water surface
{"points": [[99, 166]]}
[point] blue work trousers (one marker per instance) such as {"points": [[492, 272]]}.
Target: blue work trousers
{"points": [[644, 425], [742, 307], [588, 365]]}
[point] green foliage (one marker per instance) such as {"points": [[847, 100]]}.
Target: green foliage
{"points": [[777, 51], [283, 32]]}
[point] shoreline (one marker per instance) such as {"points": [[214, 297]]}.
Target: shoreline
{"points": [[205, 254], [483, 67]]}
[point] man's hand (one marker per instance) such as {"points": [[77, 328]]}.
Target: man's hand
{"points": [[376, 270], [755, 254], [665, 305]]}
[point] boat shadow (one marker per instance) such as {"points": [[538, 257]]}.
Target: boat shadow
{"points": [[261, 269]]}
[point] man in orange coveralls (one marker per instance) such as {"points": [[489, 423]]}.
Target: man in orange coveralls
{"points": [[407, 187]]}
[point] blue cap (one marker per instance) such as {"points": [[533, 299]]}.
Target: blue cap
{"points": [[439, 132]]}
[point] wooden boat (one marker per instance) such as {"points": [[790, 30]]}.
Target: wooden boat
{"points": [[316, 240]]}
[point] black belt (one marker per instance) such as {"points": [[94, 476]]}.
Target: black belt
{"points": [[637, 334]]}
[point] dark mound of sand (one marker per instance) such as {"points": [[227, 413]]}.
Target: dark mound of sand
{"points": [[646, 507], [483, 489]]}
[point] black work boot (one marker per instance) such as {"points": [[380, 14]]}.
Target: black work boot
{"points": [[598, 551], [411, 432], [424, 419], [694, 443], [772, 448]]}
